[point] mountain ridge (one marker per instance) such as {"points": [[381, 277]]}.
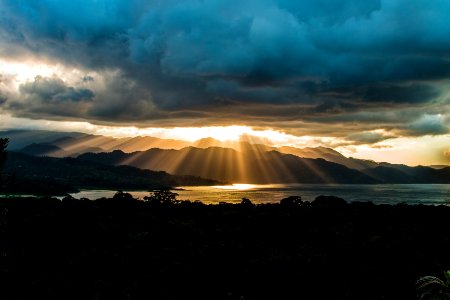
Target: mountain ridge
{"points": [[78, 143], [57, 144], [51, 175], [229, 165]]}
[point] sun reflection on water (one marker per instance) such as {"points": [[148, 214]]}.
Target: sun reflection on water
{"points": [[236, 186]]}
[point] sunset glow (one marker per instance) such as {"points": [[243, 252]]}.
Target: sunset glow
{"points": [[184, 149], [290, 77], [20, 72], [426, 150]]}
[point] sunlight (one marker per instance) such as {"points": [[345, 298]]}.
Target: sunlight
{"points": [[24, 71], [236, 186], [408, 150], [221, 133], [229, 135]]}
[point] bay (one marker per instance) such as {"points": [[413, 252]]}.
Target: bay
{"points": [[428, 194]]}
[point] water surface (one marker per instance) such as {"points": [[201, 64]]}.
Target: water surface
{"points": [[434, 194]]}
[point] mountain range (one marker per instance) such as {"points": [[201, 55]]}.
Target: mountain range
{"points": [[226, 164], [230, 161], [63, 144]]}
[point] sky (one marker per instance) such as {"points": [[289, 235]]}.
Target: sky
{"points": [[369, 78]]}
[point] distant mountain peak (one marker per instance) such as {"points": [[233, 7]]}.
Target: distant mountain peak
{"points": [[207, 142]]}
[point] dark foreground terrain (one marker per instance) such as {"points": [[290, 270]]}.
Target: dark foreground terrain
{"points": [[122, 248]]}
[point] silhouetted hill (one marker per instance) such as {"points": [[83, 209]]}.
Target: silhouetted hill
{"points": [[428, 175], [231, 160], [74, 144], [19, 139], [240, 145], [69, 174], [207, 142], [330, 155], [43, 149], [82, 144], [229, 165], [406, 174], [389, 175]]}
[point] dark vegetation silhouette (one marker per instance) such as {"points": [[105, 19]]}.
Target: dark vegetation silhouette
{"points": [[434, 288], [3, 144], [3, 155], [162, 248], [246, 202], [292, 201], [162, 197], [329, 201]]}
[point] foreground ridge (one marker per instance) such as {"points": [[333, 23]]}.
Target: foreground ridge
{"points": [[162, 248]]}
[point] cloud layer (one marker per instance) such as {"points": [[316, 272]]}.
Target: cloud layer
{"points": [[302, 66]]}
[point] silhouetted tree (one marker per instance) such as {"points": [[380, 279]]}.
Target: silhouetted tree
{"points": [[329, 201], [123, 196], [246, 202], [68, 198], [292, 201], [162, 197], [3, 144], [430, 287]]}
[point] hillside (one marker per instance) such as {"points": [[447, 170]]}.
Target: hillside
{"points": [[405, 174], [73, 144], [330, 155], [237, 161], [44, 175], [44, 149], [229, 165]]}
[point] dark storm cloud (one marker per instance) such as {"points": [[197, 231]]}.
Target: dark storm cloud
{"points": [[390, 93], [54, 90], [121, 99], [3, 98], [369, 137], [313, 58], [429, 124], [3, 83], [48, 97]]}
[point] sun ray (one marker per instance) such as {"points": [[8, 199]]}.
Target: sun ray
{"points": [[319, 173]]}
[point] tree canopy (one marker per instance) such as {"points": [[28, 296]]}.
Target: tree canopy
{"points": [[3, 144]]}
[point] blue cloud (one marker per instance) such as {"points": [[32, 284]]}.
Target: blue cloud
{"points": [[54, 89], [429, 124], [330, 56], [369, 137], [47, 98]]}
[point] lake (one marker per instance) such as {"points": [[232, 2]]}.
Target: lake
{"points": [[430, 194]]}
